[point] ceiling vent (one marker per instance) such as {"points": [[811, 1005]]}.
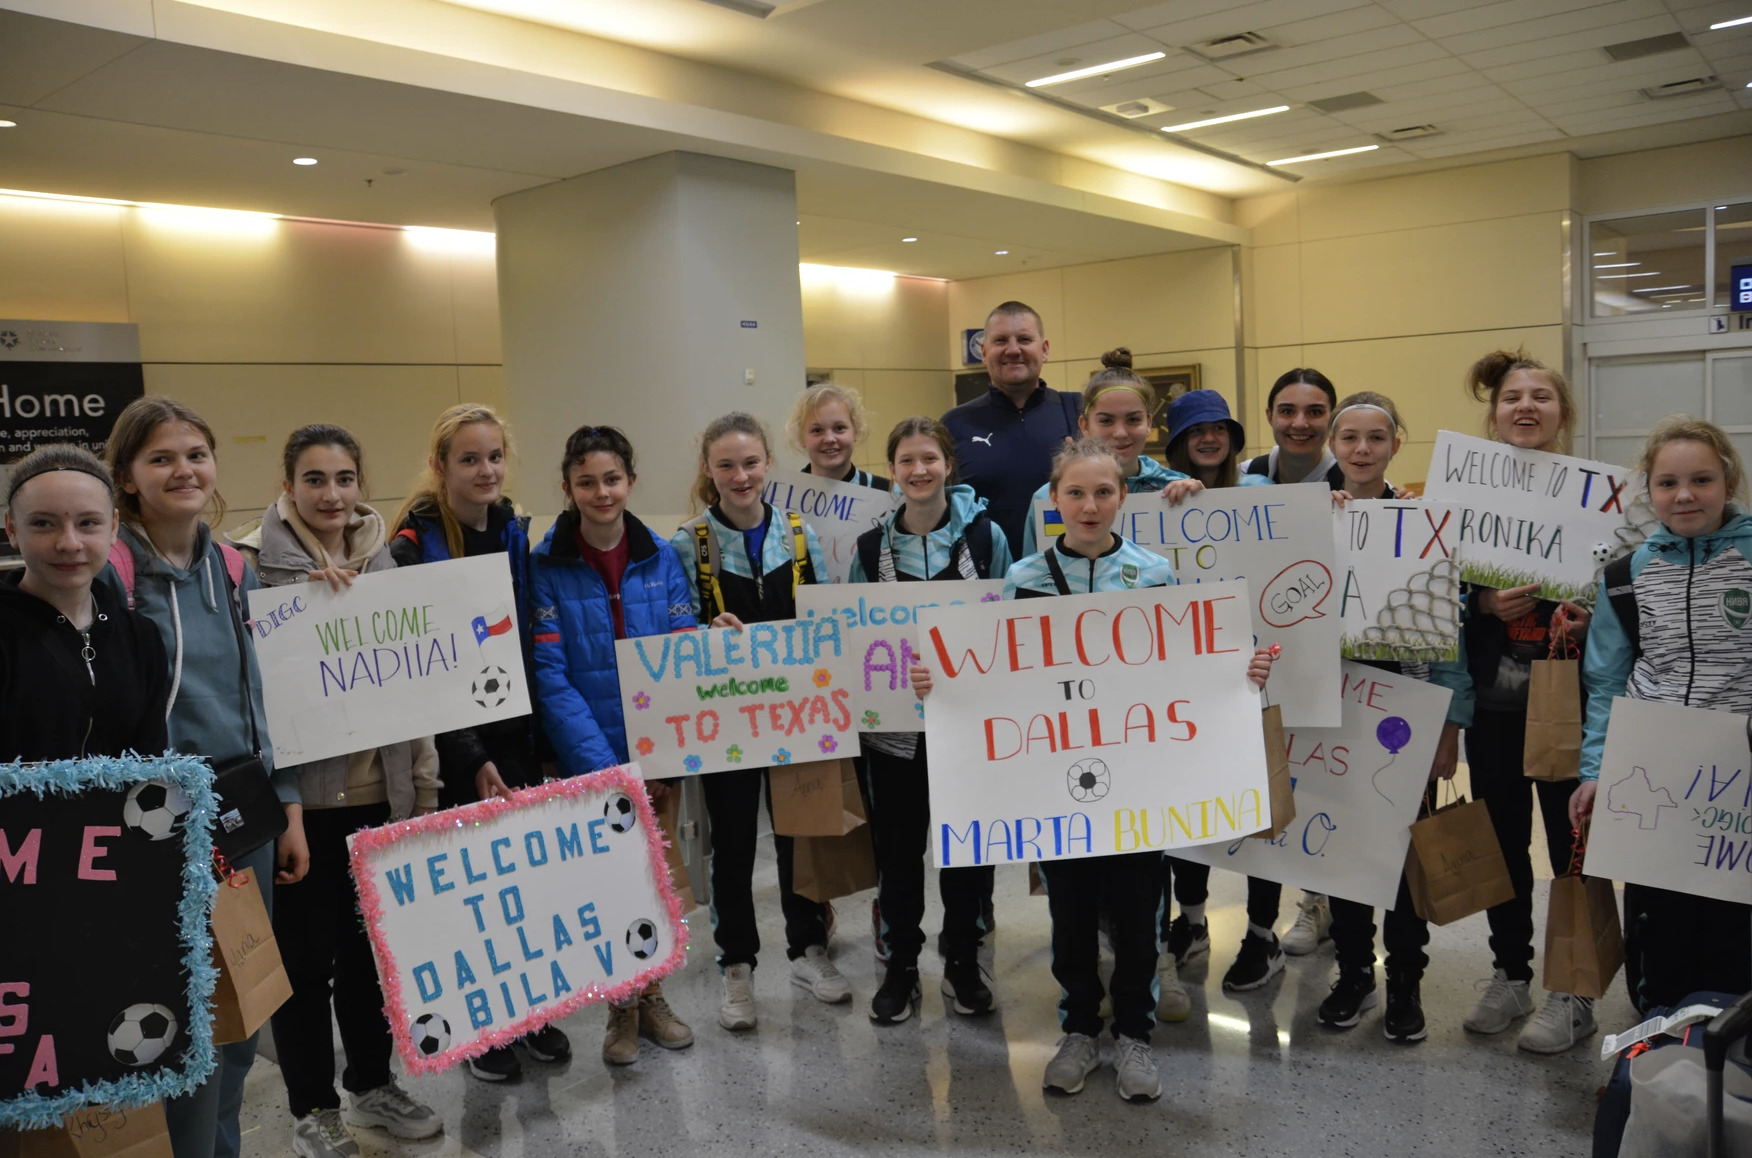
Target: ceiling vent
{"points": [[1649, 46], [1142, 107], [1681, 88], [1409, 133], [1229, 47], [1346, 102]]}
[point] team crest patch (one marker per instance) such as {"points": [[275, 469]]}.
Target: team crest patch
{"points": [[1128, 574], [1736, 607]]}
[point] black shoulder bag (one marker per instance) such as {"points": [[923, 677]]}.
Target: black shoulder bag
{"points": [[249, 810]]}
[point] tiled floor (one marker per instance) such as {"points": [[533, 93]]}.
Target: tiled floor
{"points": [[1250, 1074]]}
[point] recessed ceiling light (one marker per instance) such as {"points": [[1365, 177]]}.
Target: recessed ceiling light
{"points": [[1095, 69], [1608, 253], [1618, 264], [1323, 156], [1721, 206], [909, 239], [1225, 120], [8, 124], [1000, 252], [304, 160], [1730, 24]]}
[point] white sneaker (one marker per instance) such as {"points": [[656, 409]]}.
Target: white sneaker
{"points": [[737, 1009], [1172, 1003], [1313, 925], [1077, 1057], [1502, 1003], [390, 1107], [321, 1135], [1138, 1080], [816, 972], [1561, 1022]]}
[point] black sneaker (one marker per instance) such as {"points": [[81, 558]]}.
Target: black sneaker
{"points": [[496, 1065], [1351, 994], [1404, 1020], [1187, 940], [1259, 961], [548, 1044], [898, 996], [963, 983]]}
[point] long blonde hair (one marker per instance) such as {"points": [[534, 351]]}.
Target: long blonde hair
{"points": [[429, 487]]}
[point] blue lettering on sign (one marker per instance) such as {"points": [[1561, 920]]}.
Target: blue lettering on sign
{"points": [[480, 1013], [426, 977], [401, 883]]}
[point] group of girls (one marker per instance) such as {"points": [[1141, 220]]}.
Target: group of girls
{"points": [[126, 632]]}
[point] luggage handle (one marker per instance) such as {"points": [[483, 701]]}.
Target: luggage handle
{"points": [[1728, 1026]]}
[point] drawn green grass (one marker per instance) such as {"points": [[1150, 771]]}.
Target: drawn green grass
{"points": [[1491, 575], [1355, 647]]}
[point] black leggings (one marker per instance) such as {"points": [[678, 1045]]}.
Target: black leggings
{"points": [[733, 807], [1190, 884]]}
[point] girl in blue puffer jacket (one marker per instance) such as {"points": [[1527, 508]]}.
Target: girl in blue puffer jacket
{"points": [[598, 576]]}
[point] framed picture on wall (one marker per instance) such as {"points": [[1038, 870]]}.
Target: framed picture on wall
{"points": [[1170, 383]]}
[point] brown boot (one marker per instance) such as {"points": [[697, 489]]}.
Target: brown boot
{"points": [[621, 1046], [659, 1023]]}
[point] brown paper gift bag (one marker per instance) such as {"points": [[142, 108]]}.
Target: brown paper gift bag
{"points": [[95, 1132], [1584, 943], [1036, 882], [668, 810], [819, 798], [252, 979], [1455, 866], [1277, 761], [824, 868], [1554, 710]]}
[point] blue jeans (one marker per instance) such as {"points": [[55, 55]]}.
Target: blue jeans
{"points": [[203, 1122]]}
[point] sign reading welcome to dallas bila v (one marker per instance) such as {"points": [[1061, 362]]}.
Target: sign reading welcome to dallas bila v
{"points": [[63, 382], [397, 655], [1088, 725]]}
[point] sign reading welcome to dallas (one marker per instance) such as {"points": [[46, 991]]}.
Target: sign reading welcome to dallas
{"points": [[399, 654], [880, 623], [493, 919], [1280, 540], [1357, 787], [1527, 516], [837, 511], [1094, 724]]}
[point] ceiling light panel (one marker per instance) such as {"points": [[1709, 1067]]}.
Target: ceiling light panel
{"points": [[1225, 118], [1104, 68], [1045, 65]]}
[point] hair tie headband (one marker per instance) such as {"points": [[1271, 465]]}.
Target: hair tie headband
{"points": [[1391, 417], [1133, 387]]}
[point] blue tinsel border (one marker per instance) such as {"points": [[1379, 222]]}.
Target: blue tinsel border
{"points": [[34, 1111]]}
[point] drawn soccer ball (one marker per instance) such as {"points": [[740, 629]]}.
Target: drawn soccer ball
{"points": [[430, 1034], [141, 1033], [619, 811], [492, 687], [153, 808], [1087, 780], [642, 938]]}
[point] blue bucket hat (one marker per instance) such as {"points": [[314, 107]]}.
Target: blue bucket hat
{"points": [[1196, 406]]}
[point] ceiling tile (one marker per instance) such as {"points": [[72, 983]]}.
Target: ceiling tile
{"points": [[1425, 9], [1242, 18], [1455, 24], [1052, 62], [1042, 45], [1596, 25]]}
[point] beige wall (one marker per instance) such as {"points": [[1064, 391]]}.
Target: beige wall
{"points": [[885, 338], [270, 326]]}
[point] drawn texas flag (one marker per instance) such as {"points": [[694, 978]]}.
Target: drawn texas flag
{"points": [[496, 622]]}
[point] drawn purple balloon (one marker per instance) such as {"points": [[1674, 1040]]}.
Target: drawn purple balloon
{"points": [[1393, 732]]}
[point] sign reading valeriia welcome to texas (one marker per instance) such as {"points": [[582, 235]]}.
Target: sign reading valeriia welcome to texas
{"points": [[1093, 724], [1531, 517]]}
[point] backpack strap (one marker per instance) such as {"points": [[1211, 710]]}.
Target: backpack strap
{"points": [[799, 551], [121, 557], [1259, 464], [978, 538], [870, 549], [1058, 572], [706, 566], [1621, 593], [234, 568]]}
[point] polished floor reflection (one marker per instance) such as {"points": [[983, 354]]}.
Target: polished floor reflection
{"points": [[1249, 1074]]}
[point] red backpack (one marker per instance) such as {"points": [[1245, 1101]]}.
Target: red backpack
{"points": [[122, 559]]}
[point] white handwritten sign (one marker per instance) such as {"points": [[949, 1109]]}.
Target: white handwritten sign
{"points": [[493, 919], [881, 626], [717, 699], [838, 511], [1674, 805], [1357, 791], [1087, 725], [1280, 540], [1527, 516], [1399, 579], [397, 655]]}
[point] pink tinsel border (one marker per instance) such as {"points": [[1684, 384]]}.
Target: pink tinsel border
{"points": [[371, 841]]}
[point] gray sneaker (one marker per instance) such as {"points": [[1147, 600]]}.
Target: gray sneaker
{"points": [[1561, 1022], [1077, 1057], [321, 1135], [1138, 1079], [1503, 1001], [1172, 1002], [390, 1107]]}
